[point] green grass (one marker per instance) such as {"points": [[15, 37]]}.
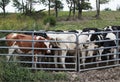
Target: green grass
{"points": [[17, 21], [12, 72], [88, 20]]}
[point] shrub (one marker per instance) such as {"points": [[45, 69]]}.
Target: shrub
{"points": [[51, 20], [107, 9], [11, 72]]}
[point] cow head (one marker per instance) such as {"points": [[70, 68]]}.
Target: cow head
{"points": [[92, 36], [54, 43], [44, 43]]}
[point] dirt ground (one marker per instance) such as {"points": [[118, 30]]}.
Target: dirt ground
{"points": [[102, 75]]}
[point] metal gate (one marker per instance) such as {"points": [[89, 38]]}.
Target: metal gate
{"points": [[47, 60], [107, 59], [73, 61]]}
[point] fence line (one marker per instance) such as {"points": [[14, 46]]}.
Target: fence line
{"points": [[47, 60]]}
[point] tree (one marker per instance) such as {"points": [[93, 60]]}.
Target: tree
{"points": [[57, 4], [69, 2], [78, 5], [26, 6], [3, 4], [46, 3], [82, 5], [20, 5], [72, 7], [98, 2]]}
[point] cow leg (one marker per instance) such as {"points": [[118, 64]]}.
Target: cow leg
{"points": [[90, 53], [35, 61], [55, 58], [100, 53], [115, 51], [115, 54], [10, 52], [83, 54], [62, 59], [83, 57]]}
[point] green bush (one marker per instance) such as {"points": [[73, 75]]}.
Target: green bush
{"points": [[11, 72], [107, 9], [51, 20]]}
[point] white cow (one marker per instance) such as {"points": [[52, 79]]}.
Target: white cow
{"points": [[62, 42], [68, 47]]}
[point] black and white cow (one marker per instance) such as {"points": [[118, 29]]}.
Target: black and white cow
{"points": [[94, 41], [112, 34]]}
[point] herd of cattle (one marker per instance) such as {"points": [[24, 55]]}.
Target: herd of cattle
{"points": [[88, 42]]}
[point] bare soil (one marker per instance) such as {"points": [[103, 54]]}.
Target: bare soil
{"points": [[102, 75]]}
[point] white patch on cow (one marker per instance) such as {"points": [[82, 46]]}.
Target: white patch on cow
{"points": [[111, 36], [11, 51], [48, 45], [79, 31], [99, 37], [14, 35], [109, 27], [91, 46], [91, 33], [37, 37], [105, 28]]}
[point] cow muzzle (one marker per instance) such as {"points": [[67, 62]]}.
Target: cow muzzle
{"points": [[48, 51]]}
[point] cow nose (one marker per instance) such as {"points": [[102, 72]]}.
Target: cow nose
{"points": [[48, 51]]}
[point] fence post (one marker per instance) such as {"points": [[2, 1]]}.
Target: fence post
{"points": [[33, 56], [77, 54]]}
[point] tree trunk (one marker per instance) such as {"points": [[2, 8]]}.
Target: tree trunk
{"points": [[3, 8], [74, 9], [70, 10], [80, 9], [98, 8], [30, 6], [49, 8], [56, 11], [23, 10], [26, 7], [4, 11]]}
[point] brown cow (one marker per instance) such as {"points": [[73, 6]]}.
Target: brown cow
{"points": [[23, 44]]}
